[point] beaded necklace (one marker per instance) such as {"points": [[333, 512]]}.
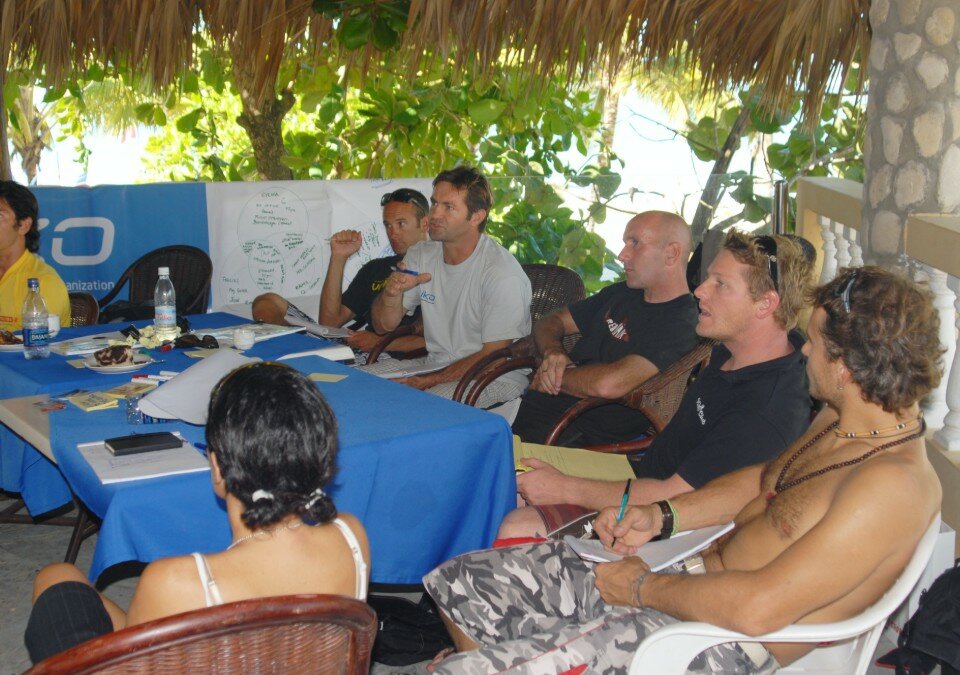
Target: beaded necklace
{"points": [[780, 486], [880, 433]]}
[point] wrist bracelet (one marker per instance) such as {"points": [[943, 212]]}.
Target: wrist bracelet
{"points": [[636, 589], [666, 526], [676, 518]]}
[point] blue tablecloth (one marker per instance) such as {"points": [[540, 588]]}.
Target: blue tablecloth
{"points": [[22, 468], [428, 478]]}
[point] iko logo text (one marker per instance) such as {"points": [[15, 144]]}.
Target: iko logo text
{"points": [[106, 245], [428, 297]]}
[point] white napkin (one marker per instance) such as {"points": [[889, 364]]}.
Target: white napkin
{"points": [[187, 395]]}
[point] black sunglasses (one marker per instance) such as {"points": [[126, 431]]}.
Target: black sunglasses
{"points": [[768, 246], [406, 196], [843, 292], [191, 340]]}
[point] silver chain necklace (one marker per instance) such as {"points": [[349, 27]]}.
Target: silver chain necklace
{"points": [[264, 534]]}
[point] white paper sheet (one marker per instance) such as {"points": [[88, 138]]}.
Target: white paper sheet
{"points": [[335, 353], [393, 369], [657, 554], [84, 345], [110, 469], [318, 329], [187, 395]]}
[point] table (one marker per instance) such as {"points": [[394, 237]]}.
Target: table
{"points": [[22, 468], [429, 478]]}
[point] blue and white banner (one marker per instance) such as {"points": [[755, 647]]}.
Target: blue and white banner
{"points": [[270, 236], [91, 235]]}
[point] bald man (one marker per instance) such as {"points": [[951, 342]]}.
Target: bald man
{"points": [[630, 331]]}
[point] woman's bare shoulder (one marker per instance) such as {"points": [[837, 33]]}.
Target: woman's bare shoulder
{"points": [[167, 586], [357, 528]]}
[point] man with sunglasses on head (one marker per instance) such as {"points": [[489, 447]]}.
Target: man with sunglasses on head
{"points": [[405, 220], [745, 407], [473, 294]]}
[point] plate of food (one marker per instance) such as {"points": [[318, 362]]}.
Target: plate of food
{"points": [[10, 342], [116, 360]]}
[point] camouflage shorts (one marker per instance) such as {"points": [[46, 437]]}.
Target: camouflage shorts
{"points": [[535, 609]]}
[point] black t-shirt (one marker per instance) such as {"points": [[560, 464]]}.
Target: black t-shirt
{"points": [[366, 285], [618, 322], [731, 419], [615, 323]]}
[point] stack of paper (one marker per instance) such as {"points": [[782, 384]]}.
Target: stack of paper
{"points": [[317, 329], [84, 345], [261, 331], [111, 469]]}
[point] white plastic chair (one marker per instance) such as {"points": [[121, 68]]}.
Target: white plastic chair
{"points": [[670, 649]]}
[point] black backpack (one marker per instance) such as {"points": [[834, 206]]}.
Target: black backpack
{"points": [[932, 635], [407, 632]]}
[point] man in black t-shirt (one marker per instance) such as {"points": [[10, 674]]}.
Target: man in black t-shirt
{"points": [[405, 220], [747, 405], [629, 332]]}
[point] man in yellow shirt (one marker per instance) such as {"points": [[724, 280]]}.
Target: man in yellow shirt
{"points": [[19, 241]]}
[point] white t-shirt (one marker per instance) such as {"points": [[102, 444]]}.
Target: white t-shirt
{"points": [[483, 299]]}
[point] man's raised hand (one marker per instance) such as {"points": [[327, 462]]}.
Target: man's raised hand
{"points": [[345, 243], [401, 281]]}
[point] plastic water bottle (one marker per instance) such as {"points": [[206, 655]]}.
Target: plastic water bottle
{"points": [[36, 336], [165, 307]]}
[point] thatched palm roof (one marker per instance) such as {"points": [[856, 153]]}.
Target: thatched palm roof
{"points": [[787, 45]]}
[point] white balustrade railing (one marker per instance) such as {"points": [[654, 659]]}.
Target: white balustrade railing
{"points": [[949, 435], [828, 214]]}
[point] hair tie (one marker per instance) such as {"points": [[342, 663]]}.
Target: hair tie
{"points": [[315, 496], [260, 495]]}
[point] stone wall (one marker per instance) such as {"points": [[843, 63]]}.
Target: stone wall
{"points": [[912, 149]]}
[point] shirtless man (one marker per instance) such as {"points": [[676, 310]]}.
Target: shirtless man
{"points": [[821, 532]]}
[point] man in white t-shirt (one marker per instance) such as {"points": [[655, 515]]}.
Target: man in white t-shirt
{"points": [[473, 295]]}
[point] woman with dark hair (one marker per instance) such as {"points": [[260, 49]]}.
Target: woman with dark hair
{"points": [[272, 441]]}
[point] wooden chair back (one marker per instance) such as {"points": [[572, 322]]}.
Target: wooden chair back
{"points": [[296, 633], [658, 399]]}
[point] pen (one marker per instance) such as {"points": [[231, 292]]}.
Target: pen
{"points": [[402, 271], [623, 504]]}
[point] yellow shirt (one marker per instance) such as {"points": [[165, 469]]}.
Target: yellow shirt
{"points": [[13, 289]]}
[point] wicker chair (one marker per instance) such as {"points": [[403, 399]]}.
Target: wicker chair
{"points": [[190, 270], [84, 309], [380, 347], [553, 287], [296, 633], [658, 399]]}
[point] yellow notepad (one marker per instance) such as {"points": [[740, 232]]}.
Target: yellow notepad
{"points": [[130, 389], [93, 400], [574, 461], [326, 377]]}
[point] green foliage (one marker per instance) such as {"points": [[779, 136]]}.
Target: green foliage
{"points": [[830, 146], [365, 21], [394, 127]]}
